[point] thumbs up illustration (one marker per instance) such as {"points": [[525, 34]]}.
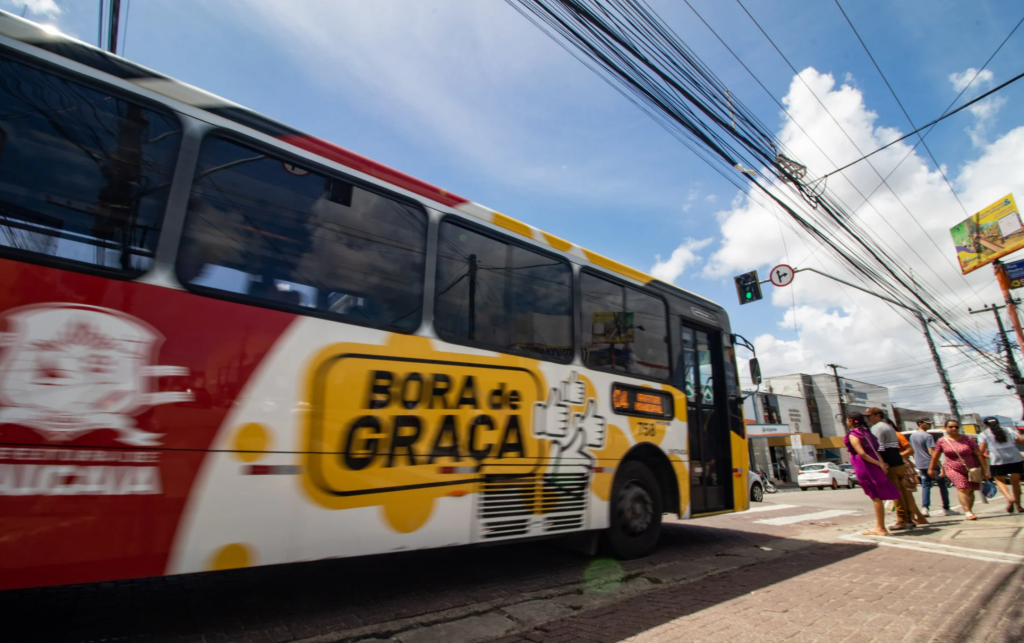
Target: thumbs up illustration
{"points": [[551, 418], [574, 390], [591, 425]]}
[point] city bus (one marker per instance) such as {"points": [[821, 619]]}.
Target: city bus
{"points": [[225, 343]]}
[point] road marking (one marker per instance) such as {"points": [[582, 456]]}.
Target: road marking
{"points": [[934, 548], [769, 508], [818, 515]]}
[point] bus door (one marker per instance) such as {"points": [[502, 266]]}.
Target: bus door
{"points": [[710, 456]]}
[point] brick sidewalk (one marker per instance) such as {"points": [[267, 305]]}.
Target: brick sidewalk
{"points": [[875, 594], [288, 602]]}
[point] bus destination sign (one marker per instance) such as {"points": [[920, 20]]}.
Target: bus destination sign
{"points": [[643, 402]]}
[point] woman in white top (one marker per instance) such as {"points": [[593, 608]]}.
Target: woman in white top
{"points": [[1001, 448]]}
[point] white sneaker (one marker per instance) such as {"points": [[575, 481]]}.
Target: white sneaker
{"points": [[924, 511], [950, 512]]}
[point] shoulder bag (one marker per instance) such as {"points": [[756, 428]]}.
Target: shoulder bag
{"points": [[973, 473]]}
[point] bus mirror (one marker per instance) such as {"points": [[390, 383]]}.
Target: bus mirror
{"points": [[755, 372]]}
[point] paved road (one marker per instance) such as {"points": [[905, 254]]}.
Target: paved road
{"points": [[793, 568]]}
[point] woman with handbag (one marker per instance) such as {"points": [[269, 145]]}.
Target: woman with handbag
{"points": [[964, 464], [1000, 449], [870, 469]]}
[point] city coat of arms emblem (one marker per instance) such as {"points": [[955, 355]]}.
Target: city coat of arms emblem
{"points": [[68, 369]]}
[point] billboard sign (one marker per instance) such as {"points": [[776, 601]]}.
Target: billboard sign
{"points": [[991, 233]]}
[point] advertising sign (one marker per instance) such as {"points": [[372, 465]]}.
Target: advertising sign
{"points": [[1015, 270], [991, 233], [767, 430]]}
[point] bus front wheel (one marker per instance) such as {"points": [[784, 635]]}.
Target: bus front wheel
{"points": [[635, 520]]}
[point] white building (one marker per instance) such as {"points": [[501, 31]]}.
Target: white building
{"points": [[824, 428], [772, 422]]}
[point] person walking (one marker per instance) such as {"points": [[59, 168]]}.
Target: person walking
{"points": [[964, 464], [1004, 458], [870, 469], [924, 446], [889, 449]]}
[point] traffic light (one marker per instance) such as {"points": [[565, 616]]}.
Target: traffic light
{"points": [[748, 287]]}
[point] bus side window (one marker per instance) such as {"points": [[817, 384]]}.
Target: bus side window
{"points": [[624, 329], [84, 174], [501, 295], [266, 230]]}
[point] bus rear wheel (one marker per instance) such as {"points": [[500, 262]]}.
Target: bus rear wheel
{"points": [[635, 512]]}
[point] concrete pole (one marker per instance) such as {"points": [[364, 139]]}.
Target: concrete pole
{"points": [[953, 409], [842, 405], [946, 386]]}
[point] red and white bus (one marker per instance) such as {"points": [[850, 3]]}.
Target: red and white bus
{"points": [[226, 343]]}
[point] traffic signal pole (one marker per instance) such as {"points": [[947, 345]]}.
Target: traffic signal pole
{"points": [[947, 388]]}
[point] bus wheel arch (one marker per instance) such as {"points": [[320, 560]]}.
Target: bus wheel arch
{"points": [[668, 483], [641, 493]]}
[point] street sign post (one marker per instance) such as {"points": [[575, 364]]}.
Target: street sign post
{"points": [[782, 275]]}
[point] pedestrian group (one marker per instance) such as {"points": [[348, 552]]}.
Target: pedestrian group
{"points": [[889, 466]]}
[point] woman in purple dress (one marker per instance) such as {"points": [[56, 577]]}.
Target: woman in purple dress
{"points": [[863, 448]]}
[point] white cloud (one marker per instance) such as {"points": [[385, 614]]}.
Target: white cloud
{"points": [[837, 324], [682, 257], [984, 114], [711, 198], [985, 111], [964, 78], [39, 7]]}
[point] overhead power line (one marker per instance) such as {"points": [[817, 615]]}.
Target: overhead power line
{"points": [[631, 48], [929, 124]]}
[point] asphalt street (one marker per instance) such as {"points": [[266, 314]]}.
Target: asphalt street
{"points": [[795, 567]]}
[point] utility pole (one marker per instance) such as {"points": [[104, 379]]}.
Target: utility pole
{"points": [[472, 296], [1011, 305], [114, 19], [1011, 363], [842, 405], [946, 386]]}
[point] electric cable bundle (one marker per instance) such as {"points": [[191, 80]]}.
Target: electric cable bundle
{"points": [[630, 47]]}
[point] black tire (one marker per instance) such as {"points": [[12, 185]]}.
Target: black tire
{"points": [[849, 483], [804, 488], [634, 512], [756, 492], [835, 485], [821, 488]]}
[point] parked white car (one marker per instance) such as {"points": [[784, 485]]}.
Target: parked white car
{"points": [[755, 487], [821, 475]]}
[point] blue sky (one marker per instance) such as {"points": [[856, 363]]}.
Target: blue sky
{"points": [[471, 97]]}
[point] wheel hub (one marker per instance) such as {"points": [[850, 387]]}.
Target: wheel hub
{"points": [[635, 509]]}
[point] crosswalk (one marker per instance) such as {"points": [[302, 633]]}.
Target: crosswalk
{"points": [[807, 517], [754, 510]]}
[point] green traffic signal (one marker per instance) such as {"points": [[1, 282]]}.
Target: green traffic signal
{"points": [[748, 287]]}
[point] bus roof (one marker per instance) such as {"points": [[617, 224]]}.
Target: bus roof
{"points": [[51, 40]]}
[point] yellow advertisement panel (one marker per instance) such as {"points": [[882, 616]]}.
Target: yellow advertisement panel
{"points": [[994, 232]]}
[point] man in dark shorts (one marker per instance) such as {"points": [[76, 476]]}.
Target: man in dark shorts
{"points": [[924, 447]]}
